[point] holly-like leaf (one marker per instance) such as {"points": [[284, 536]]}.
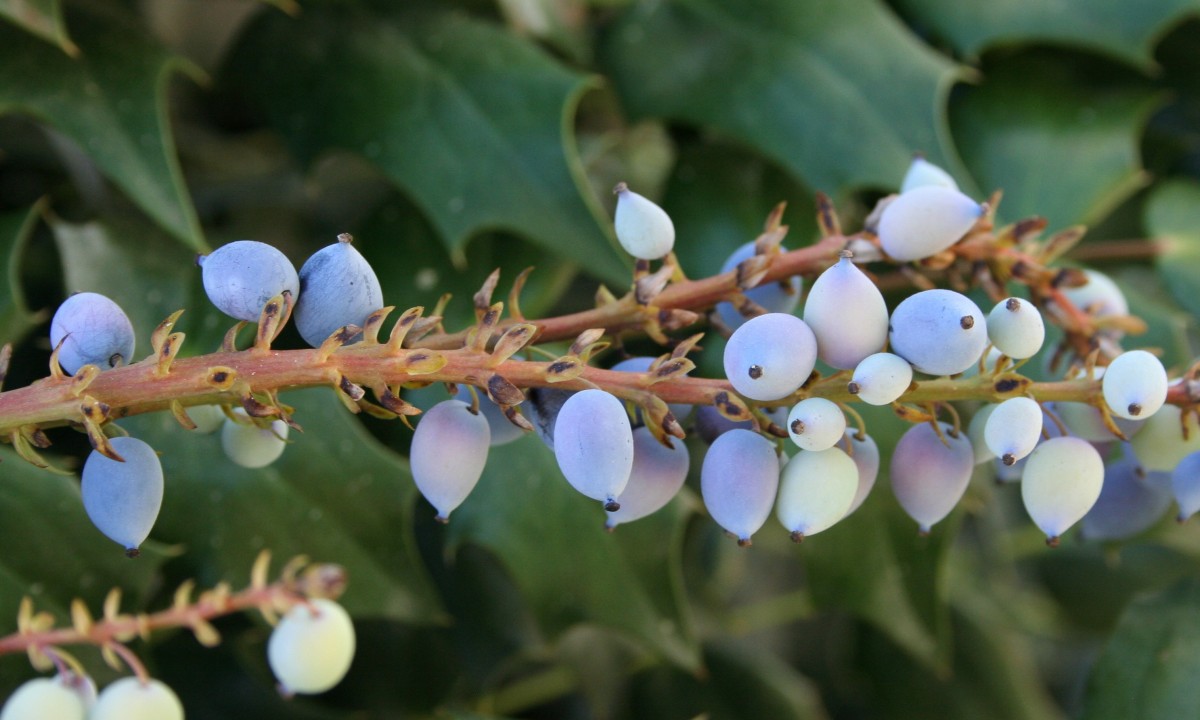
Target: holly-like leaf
{"points": [[43, 18], [1060, 139], [1149, 668], [839, 94], [470, 122], [111, 104], [335, 495], [552, 541], [1173, 220], [16, 319], [1123, 30]]}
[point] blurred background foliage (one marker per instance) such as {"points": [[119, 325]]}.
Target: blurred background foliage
{"points": [[455, 137]]}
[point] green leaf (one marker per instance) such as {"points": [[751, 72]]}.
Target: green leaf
{"points": [[1093, 584], [335, 495], [1173, 220], [43, 18], [470, 122], [1150, 666], [839, 94], [1057, 135], [552, 541], [741, 680], [111, 104], [858, 566], [16, 319], [990, 677], [1124, 30]]}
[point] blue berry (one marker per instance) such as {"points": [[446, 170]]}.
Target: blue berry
{"points": [[93, 330], [242, 276], [337, 288], [940, 332], [123, 498]]}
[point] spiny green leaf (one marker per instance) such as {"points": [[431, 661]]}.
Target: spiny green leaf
{"points": [[1124, 30], [111, 105], [16, 319], [1150, 666], [335, 495], [840, 94], [552, 541], [1059, 138], [1173, 220], [472, 123], [43, 18]]}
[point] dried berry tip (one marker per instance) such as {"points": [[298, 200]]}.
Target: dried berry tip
{"points": [[744, 542], [1008, 459], [967, 322], [612, 506], [132, 553], [755, 372], [853, 388], [1012, 304], [1052, 541], [1134, 409], [620, 188], [797, 536], [441, 519], [798, 427]]}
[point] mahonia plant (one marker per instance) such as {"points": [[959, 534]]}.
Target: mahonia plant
{"points": [[615, 430]]}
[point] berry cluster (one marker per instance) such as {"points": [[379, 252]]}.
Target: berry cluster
{"points": [[615, 433]]}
